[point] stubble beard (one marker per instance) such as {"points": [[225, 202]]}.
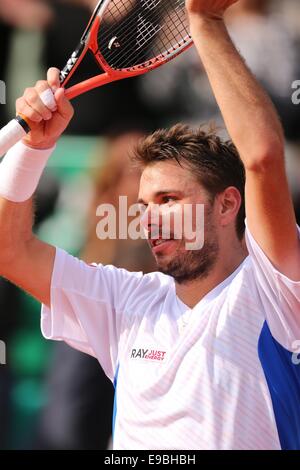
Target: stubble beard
{"points": [[190, 265]]}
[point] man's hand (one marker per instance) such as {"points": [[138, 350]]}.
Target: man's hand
{"points": [[46, 125], [212, 9]]}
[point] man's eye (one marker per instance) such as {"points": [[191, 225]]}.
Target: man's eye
{"points": [[167, 199]]}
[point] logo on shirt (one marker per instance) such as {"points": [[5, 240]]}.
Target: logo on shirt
{"points": [[148, 354]]}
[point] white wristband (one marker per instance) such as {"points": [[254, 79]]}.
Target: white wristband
{"points": [[20, 171]]}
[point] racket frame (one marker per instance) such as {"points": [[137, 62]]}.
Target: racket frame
{"points": [[20, 126], [88, 41]]}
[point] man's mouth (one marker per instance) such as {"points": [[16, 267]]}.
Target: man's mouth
{"points": [[160, 244]]}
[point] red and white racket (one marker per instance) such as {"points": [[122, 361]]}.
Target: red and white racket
{"points": [[127, 38]]}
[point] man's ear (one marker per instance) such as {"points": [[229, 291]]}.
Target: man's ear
{"points": [[229, 203]]}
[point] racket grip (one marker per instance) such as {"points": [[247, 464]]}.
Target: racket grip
{"points": [[10, 134]]}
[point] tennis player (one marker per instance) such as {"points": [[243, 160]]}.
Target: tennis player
{"points": [[203, 353]]}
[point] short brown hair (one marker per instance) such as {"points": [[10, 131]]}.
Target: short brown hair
{"points": [[215, 162]]}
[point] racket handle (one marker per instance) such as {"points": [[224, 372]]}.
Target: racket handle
{"points": [[10, 134]]}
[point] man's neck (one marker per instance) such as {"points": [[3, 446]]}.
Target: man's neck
{"points": [[191, 293]]}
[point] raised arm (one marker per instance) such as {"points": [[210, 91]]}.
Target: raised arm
{"points": [[24, 259], [254, 127]]}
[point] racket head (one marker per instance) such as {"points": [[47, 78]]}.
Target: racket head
{"points": [[129, 38], [139, 35]]}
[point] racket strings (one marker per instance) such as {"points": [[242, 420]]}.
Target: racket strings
{"points": [[126, 30], [161, 47], [149, 34], [169, 38], [140, 31], [171, 41]]}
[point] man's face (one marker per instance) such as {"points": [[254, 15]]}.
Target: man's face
{"points": [[173, 198]]}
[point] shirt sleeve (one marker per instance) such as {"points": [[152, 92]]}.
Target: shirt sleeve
{"points": [[280, 296], [88, 305]]}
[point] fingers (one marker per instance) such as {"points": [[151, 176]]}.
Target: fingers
{"points": [[53, 78], [40, 102], [33, 99], [23, 108], [64, 107], [48, 99], [46, 95]]}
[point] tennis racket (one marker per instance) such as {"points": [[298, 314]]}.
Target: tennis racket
{"points": [[127, 38]]}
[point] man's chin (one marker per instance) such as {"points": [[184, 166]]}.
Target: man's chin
{"points": [[165, 262], [165, 249]]}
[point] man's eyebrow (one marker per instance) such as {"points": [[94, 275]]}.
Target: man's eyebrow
{"points": [[162, 193]]}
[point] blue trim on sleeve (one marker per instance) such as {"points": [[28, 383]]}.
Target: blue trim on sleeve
{"points": [[283, 379], [115, 401]]}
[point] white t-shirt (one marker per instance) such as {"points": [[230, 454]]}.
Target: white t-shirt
{"points": [[218, 376]]}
